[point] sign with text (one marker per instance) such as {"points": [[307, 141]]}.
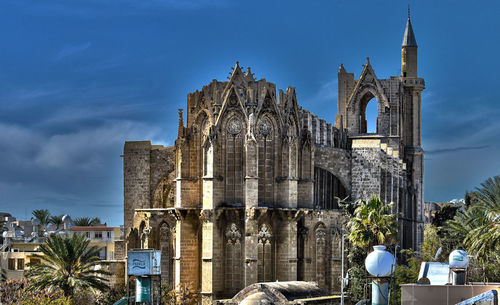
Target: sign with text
{"points": [[144, 262]]}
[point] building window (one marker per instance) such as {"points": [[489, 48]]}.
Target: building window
{"points": [[12, 264], [320, 257], [108, 234], [35, 261], [20, 264], [233, 259], [102, 253], [266, 152], [264, 259], [87, 234], [167, 251], [98, 234], [234, 167]]}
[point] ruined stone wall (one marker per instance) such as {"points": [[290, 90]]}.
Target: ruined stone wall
{"points": [[336, 161], [136, 179], [323, 133], [376, 170], [162, 165]]}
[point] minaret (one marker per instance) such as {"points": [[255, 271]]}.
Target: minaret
{"points": [[412, 137], [409, 51]]}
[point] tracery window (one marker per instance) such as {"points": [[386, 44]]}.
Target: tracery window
{"points": [[301, 252], [321, 255], [166, 255], [264, 260], [234, 160], [266, 160], [233, 263], [336, 244]]}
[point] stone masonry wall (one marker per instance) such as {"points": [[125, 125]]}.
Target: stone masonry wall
{"points": [[336, 161], [366, 171], [136, 179]]}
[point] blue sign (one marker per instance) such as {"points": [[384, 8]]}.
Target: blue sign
{"points": [[144, 262]]}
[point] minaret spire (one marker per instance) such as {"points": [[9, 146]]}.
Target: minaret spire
{"points": [[409, 37], [409, 51]]}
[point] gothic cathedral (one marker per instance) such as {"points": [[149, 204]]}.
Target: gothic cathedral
{"points": [[249, 191]]}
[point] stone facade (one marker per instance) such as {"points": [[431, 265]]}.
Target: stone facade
{"points": [[248, 192]]}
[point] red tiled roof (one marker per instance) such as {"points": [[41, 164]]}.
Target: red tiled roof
{"points": [[96, 228]]}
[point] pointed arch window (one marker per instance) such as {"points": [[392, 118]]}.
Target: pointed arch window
{"points": [[234, 160], [264, 260], [166, 249], [266, 160], [321, 255], [233, 262]]}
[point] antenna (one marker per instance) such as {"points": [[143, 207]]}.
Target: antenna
{"points": [[408, 11]]}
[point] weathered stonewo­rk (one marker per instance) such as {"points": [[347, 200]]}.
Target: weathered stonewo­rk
{"points": [[247, 193]]}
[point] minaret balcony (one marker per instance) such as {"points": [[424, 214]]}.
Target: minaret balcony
{"points": [[414, 82]]}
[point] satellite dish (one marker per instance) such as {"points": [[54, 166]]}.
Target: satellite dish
{"points": [[438, 253]]}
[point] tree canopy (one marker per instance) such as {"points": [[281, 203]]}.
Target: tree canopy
{"points": [[42, 215], [87, 221], [67, 263], [373, 223]]}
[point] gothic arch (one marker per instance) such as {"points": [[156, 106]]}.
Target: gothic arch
{"points": [[267, 145], [164, 194], [233, 263], [302, 233], [231, 102], [233, 156], [320, 253], [143, 236], [356, 108], [165, 243], [336, 243], [265, 249], [327, 186], [133, 240]]}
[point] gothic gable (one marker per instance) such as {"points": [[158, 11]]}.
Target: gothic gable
{"points": [[367, 82]]}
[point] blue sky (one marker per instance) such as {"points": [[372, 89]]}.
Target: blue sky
{"points": [[80, 77]]}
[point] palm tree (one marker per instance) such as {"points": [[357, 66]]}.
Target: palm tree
{"points": [[57, 221], [373, 223], [43, 216], [87, 221], [479, 225], [67, 263]]}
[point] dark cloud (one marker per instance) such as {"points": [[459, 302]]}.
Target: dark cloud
{"points": [[78, 78], [454, 149]]}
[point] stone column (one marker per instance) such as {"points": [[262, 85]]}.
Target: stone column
{"points": [[251, 241], [287, 249], [252, 173], [186, 249], [207, 254], [136, 179]]}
